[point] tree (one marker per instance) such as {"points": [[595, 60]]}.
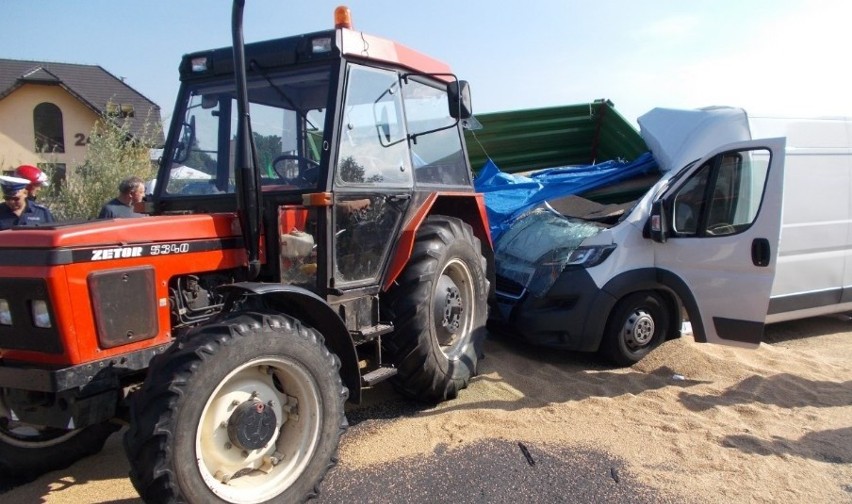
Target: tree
{"points": [[268, 148], [351, 170], [113, 154]]}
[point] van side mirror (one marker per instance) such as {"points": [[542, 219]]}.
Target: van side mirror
{"points": [[460, 103], [657, 225]]}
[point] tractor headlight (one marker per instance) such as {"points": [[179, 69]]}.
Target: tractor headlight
{"points": [[41, 317], [5, 313]]}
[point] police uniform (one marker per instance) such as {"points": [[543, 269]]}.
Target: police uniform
{"points": [[33, 215]]}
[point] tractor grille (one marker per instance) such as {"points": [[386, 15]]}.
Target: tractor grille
{"points": [[124, 303]]}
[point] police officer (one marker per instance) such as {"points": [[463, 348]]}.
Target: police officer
{"points": [[17, 210]]}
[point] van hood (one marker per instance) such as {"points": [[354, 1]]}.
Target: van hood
{"points": [[677, 137]]}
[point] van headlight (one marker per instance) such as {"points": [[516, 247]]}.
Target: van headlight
{"points": [[587, 257], [41, 317], [552, 264]]}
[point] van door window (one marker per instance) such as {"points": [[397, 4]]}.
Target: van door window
{"points": [[723, 196], [689, 201]]}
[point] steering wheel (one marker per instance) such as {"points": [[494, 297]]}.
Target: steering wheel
{"points": [[308, 169]]}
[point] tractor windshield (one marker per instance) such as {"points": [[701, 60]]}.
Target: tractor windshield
{"points": [[287, 116]]}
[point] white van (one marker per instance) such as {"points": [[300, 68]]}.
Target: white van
{"points": [[707, 237]]}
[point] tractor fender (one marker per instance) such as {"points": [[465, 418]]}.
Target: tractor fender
{"points": [[315, 312], [467, 206]]}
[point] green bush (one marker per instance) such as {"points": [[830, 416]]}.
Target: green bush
{"points": [[113, 154]]}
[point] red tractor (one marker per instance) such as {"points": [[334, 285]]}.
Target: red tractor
{"points": [[313, 231]]}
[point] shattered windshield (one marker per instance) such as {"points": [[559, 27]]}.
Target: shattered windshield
{"points": [[287, 112], [537, 244]]}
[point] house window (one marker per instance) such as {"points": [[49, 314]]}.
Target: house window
{"points": [[47, 122]]}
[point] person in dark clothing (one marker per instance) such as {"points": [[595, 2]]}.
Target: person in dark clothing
{"points": [[17, 209], [130, 193]]}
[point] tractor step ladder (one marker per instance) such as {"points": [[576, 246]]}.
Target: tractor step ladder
{"points": [[378, 375], [368, 334]]}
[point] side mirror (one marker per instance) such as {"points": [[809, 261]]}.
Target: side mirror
{"points": [[657, 225], [461, 106], [209, 101]]}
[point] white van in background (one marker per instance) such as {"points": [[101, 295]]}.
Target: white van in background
{"points": [[707, 237]]}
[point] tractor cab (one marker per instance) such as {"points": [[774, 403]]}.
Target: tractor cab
{"points": [[351, 133]]}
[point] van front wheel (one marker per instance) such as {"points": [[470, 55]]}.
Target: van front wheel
{"points": [[638, 323]]}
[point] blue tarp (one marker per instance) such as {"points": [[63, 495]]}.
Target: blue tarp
{"points": [[508, 196]]}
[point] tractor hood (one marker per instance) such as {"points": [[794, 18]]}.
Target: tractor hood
{"points": [[122, 232]]}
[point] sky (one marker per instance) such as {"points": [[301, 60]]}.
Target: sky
{"points": [[775, 57]]}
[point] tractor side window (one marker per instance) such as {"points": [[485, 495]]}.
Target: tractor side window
{"points": [[196, 158], [363, 224], [437, 156], [372, 137]]}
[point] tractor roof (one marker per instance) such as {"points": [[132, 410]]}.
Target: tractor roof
{"points": [[311, 47]]}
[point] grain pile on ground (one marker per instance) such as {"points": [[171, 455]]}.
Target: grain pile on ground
{"points": [[690, 423], [695, 422]]}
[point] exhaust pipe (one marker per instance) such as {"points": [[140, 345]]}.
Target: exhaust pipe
{"points": [[249, 195]]}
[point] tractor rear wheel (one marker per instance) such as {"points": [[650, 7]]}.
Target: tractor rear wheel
{"points": [[438, 307], [245, 410]]}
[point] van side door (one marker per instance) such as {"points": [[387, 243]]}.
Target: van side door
{"points": [[721, 240]]}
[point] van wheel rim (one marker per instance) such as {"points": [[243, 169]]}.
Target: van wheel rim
{"points": [[639, 330]]}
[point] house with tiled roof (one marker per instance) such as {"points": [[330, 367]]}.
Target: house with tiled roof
{"points": [[47, 111]]}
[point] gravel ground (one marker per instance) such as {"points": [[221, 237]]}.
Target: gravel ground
{"points": [[492, 472]]}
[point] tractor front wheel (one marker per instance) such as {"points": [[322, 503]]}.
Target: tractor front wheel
{"points": [[246, 410], [27, 451]]}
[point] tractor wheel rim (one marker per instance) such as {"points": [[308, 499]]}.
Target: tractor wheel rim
{"points": [[453, 308], [259, 430]]}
